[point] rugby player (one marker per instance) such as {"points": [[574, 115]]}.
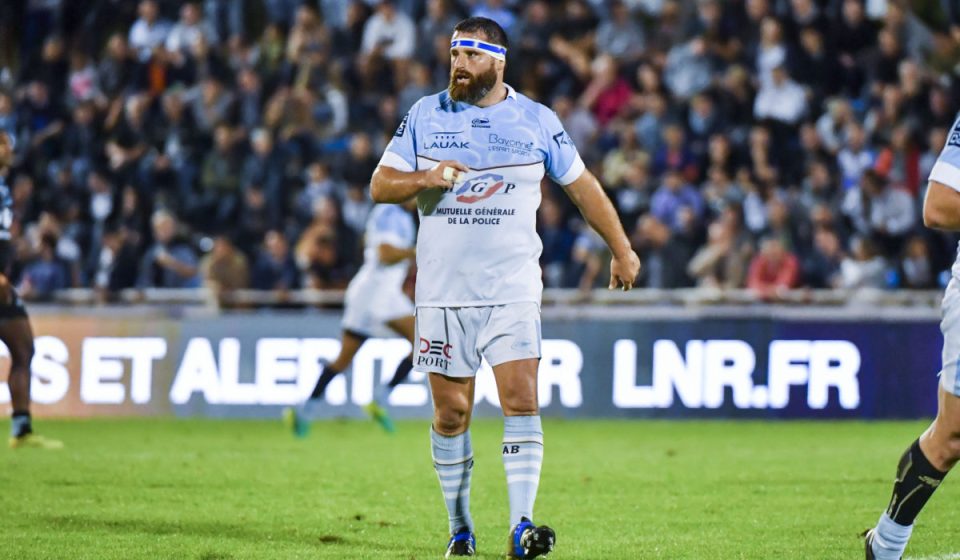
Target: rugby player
{"points": [[474, 156], [15, 330], [927, 461], [373, 305]]}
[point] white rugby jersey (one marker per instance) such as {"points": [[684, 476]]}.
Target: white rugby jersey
{"points": [[392, 225], [947, 171], [478, 243]]}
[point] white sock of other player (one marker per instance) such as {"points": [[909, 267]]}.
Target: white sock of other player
{"points": [[522, 458], [453, 461], [890, 538]]}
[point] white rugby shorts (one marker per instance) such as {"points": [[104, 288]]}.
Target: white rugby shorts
{"points": [[950, 326], [452, 340], [368, 309]]}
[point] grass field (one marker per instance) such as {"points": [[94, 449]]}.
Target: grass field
{"points": [[633, 490]]}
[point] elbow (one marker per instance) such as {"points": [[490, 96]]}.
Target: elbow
{"points": [[376, 190], [933, 218]]}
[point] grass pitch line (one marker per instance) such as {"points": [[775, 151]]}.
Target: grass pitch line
{"points": [[952, 556]]}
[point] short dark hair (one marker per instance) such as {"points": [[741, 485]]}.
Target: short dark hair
{"points": [[490, 29]]}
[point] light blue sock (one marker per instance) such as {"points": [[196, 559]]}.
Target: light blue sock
{"points": [[20, 425], [453, 461], [890, 538], [522, 457]]}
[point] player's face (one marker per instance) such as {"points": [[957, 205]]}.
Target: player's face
{"points": [[473, 73], [6, 150]]}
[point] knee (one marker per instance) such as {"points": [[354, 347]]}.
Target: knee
{"points": [[950, 448], [520, 405], [451, 420]]}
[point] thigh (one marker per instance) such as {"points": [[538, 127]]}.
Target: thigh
{"points": [[950, 327], [446, 341], [517, 386], [17, 334], [511, 333], [403, 326]]}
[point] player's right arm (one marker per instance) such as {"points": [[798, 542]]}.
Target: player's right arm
{"points": [[397, 179], [941, 207], [393, 186]]}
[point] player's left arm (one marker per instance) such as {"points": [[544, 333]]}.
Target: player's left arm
{"points": [[941, 206], [596, 208]]}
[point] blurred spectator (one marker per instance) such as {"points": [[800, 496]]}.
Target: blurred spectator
{"points": [[688, 68], [664, 254], [225, 268], [619, 35], [916, 268], [780, 98], [149, 31], [389, 32], [217, 200], [773, 270], [46, 274], [188, 30], [673, 196], [855, 157], [863, 268], [170, 262], [821, 269], [878, 210], [275, 268], [721, 263]]}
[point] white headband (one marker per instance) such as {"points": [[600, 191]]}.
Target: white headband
{"points": [[496, 51]]}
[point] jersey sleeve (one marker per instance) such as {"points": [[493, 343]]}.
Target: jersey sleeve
{"points": [[394, 227], [947, 168], [563, 162], [401, 152]]}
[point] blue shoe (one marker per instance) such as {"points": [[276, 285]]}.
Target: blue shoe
{"points": [[526, 540], [463, 543], [295, 422]]}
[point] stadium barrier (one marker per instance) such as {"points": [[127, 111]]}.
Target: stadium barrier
{"points": [[658, 361]]}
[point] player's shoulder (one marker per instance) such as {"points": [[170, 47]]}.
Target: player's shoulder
{"points": [[541, 113], [432, 102]]}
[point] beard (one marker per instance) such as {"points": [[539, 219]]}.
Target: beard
{"points": [[476, 88]]}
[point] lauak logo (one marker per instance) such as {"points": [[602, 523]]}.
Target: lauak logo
{"points": [[444, 140], [434, 353], [483, 187]]}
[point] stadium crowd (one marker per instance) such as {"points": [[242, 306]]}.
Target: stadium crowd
{"points": [[768, 144]]}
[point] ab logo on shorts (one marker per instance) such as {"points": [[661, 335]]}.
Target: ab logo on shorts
{"points": [[434, 353]]}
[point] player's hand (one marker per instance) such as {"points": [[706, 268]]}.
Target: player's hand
{"points": [[624, 270], [438, 177]]}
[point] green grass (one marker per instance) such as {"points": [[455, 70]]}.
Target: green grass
{"points": [[614, 489]]}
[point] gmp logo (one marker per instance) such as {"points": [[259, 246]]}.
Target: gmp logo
{"points": [[483, 187]]}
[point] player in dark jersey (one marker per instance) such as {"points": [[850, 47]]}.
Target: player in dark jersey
{"points": [[15, 330]]}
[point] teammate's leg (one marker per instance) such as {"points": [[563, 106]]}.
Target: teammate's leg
{"points": [[17, 334], [297, 419], [350, 343], [404, 327], [921, 469], [453, 455], [522, 451]]}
